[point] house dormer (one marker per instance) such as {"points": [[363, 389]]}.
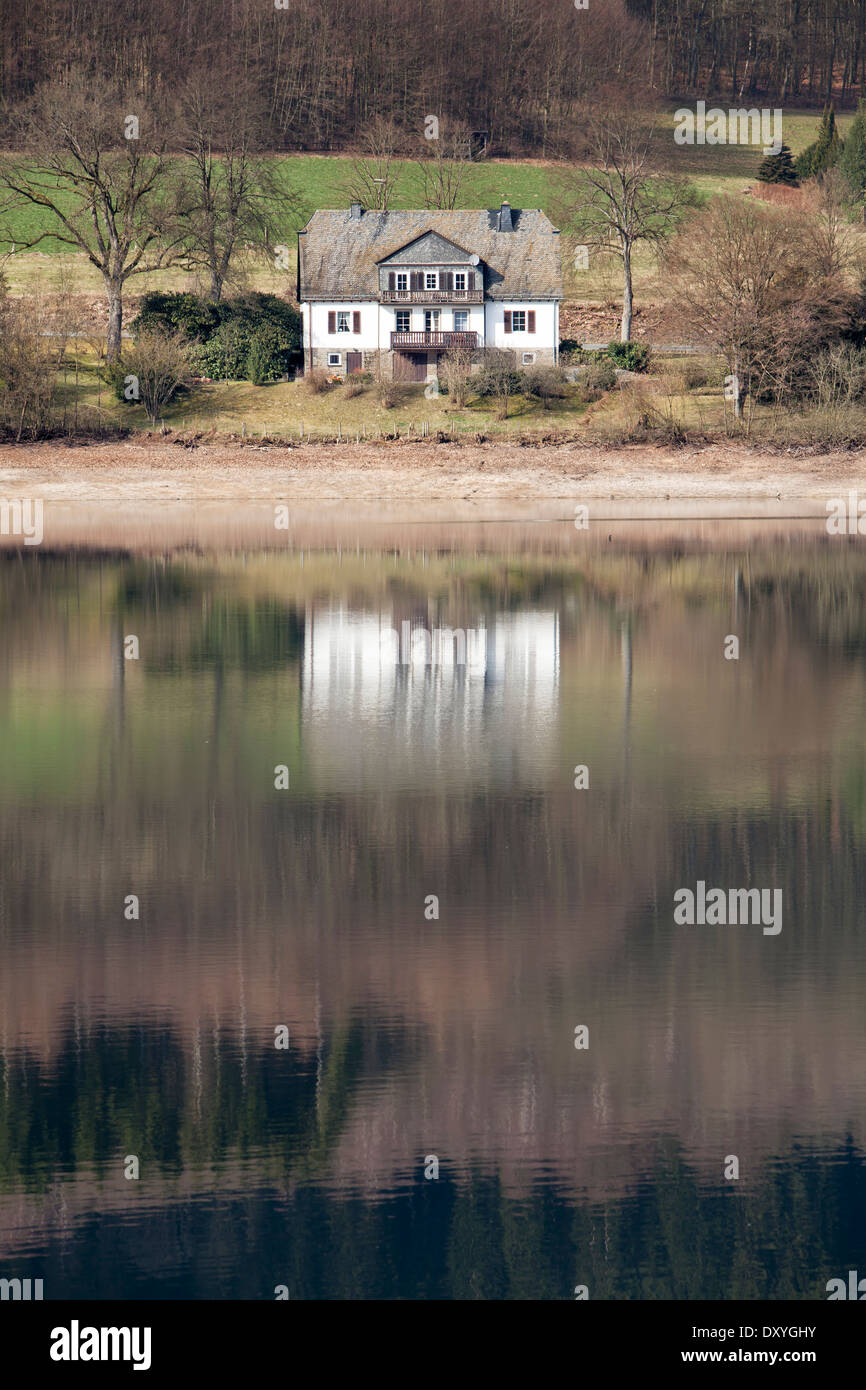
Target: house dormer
{"points": [[431, 270]]}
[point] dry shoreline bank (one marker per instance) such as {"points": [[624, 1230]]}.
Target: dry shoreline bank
{"points": [[155, 470], [153, 496]]}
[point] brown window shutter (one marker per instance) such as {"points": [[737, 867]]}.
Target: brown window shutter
{"points": [[413, 280], [392, 280], [449, 280], [332, 320], [508, 320], [356, 321], [470, 280], [530, 321]]}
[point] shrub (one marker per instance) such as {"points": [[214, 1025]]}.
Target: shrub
{"points": [[317, 381], [581, 357], [837, 376], [28, 367], [543, 383], [154, 370], [354, 386], [114, 374], [600, 374], [692, 375], [569, 350], [390, 394], [254, 331], [189, 313], [258, 362], [634, 357], [455, 369], [227, 353], [498, 377], [852, 161]]}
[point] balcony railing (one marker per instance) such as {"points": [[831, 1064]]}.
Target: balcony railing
{"points": [[434, 340], [432, 296]]}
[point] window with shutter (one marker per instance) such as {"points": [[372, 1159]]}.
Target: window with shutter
{"points": [[508, 320], [530, 321], [356, 321], [332, 320]]}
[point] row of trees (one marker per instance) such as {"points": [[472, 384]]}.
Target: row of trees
{"points": [[138, 186], [518, 69], [325, 69], [786, 50]]}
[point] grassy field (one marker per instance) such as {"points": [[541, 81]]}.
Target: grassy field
{"points": [[321, 180], [290, 410]]}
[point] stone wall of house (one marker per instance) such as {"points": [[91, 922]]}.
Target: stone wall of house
{"points": [[384, 361]]}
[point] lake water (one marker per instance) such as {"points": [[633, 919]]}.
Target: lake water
{"points": [[248, 991]]}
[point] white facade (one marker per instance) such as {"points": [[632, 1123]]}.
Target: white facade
{"points": [[379, 321], [545, 338]]}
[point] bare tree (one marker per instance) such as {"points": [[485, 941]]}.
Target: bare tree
{"points": [[443, 164], [739, 283], [98, 166], [617, 203], [161, 366], [373, 173], [832, 245], [29, 360], [237, 200], [498, 377], [456, 369]]}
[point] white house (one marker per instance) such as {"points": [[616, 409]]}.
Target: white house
{"points": [[404, 287]]}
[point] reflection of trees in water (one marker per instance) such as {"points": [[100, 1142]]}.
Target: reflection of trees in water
{"points": [[569, 898], [139, 1090], [673, 1237], [329, 905]]}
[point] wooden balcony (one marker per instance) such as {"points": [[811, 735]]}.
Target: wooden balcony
{"points": [[433, 340], [432, 296]]}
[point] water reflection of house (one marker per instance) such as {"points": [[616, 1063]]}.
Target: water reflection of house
{"points": [[374, 706]]}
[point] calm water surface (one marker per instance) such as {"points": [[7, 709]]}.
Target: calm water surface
{"points": [[409, 1035]]}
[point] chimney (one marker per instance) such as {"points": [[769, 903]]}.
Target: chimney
{"points": [[355, 211], [505, 223]]}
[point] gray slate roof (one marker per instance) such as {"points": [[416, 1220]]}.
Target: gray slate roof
{"points": [[339, 255]]}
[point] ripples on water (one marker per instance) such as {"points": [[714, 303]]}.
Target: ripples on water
{"points": [[409, 1036]]}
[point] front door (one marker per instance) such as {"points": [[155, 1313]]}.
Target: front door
{"points": [[354, 362]]}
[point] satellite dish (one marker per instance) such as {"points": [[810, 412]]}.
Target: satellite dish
{"points": [[474, 258]]}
